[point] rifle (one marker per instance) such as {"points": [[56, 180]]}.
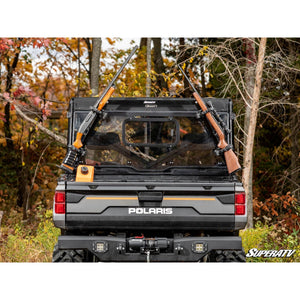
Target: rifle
{"points": [[231, 159], [75, 151]]}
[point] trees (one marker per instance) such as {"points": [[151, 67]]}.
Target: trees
{"points": [[231, 64], [39, 76], [159, 67], [28, 88], [251, 60], [247, 172], [148, 80], [95, 65], [154, 57], [14, 55]]}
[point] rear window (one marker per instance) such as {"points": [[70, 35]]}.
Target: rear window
{"points": [[150, 143]]}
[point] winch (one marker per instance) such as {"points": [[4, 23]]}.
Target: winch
{"points": [[143, 245]]}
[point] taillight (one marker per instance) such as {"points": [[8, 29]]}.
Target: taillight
{"points": [[240, 198], [240, 209], [240, 204], [60, 202]]}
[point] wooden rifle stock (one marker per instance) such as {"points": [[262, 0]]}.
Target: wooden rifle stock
{"points": [[230, 157]]}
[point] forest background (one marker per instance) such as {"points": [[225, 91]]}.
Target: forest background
{"points": [[38, 76]]}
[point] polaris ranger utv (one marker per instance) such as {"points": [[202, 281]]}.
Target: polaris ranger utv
{"points": [[150, 183]]}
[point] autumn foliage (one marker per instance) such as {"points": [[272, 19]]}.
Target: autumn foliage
{"points": [[281, 211], [41, 75]]}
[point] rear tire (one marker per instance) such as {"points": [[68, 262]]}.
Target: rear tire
{"points": [[227, 256], [68, 255]]}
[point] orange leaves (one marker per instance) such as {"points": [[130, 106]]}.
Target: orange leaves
{"points": [[111, 42], [279, 209]]}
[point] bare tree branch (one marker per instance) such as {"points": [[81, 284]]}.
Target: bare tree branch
{"points": [[34, 176], [56, 137], [77, 58], [232, 77]]}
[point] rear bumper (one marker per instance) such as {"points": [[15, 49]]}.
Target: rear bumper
{"points": [[179, 249], [189, 221]]}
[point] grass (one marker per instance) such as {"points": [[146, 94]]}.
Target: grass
{"points": [[264, 237], [24, 244], [34, 242]]}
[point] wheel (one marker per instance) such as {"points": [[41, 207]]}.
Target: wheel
{"points": [[69, 255], [227, 256]]}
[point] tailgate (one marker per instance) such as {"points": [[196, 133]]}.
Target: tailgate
{"points": [[152, 206]]}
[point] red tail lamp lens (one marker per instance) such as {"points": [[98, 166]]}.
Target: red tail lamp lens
{"points": [[60, 197], [240, 209], [240, 198], [60, 206]]}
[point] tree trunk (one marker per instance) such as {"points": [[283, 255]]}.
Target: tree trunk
{"points": [[249, 84], [13, 156], [1, 215], [143, 43], [9, 76], [182, 57], [89, 46], [95, 65], [248, 155], [79, 71], [148, 80], [159, 67]]}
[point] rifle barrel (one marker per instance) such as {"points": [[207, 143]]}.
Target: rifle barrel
{"points": [[74, 152], [188, 80], [115, 77], [230, 158]]}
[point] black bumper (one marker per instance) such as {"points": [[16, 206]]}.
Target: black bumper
{"points": [[190, 221], [183, 249]]}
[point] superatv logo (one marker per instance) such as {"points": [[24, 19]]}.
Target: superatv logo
{"points": [[270, 253], [150, 211]]}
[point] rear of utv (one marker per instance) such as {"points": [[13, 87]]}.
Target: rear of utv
{"points": [[149, 180], [151, 186]]}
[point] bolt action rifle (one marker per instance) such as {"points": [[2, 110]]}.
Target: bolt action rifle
{"points": [[75, 151], [231, 159]]}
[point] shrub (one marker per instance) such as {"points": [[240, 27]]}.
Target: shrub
{"points": [[281, 210], [264, 237], [24, 244]]}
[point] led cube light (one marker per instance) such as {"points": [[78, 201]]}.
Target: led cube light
{"points": [[199, 247], [100, 247]]}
